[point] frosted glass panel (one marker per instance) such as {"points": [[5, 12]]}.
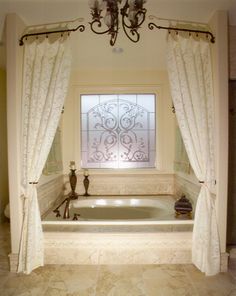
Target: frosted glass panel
{"points": [[147, 101], [119, 131], [88, 102], [129, 97]]}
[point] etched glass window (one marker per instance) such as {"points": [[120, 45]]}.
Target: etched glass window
{"points": [[118, 131]]}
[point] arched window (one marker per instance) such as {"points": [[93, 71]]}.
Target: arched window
{"points": [[118, 131]]}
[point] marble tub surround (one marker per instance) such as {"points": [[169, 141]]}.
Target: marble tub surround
{"points": [[121, 247], [111, 183]]}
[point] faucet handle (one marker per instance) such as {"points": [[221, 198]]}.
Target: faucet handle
{"points": [[57, 212], [75, 217]]}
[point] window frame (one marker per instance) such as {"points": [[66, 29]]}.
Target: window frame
{"points": [[158, 90]]}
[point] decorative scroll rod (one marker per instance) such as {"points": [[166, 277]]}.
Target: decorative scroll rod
{"points": [[81, 28], [207, 33]]}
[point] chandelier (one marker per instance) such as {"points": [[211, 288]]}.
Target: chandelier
{"points": [[132, 17]]}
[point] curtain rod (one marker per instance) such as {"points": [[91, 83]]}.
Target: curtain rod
{"points": [[81, 28], [151, 26], [176, 29]]}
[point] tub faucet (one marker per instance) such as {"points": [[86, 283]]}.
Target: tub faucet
{"points": [[67, 208], [70, 196], [66, 214]]}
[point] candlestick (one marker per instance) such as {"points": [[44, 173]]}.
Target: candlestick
{"points": [[86, 185], [73, 181]]}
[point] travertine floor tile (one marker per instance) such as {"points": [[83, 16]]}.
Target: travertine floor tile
{"points": [[167, 280], [232, 270], [19, 284], [120, 280], [73, 280], [222, 284]]}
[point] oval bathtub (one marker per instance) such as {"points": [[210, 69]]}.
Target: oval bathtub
{"points": [[121, 210]]}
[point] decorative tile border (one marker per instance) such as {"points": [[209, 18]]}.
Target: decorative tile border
{"points": [[125, 184]]}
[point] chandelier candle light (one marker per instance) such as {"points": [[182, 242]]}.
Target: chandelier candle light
{"points": [[132, 17]]}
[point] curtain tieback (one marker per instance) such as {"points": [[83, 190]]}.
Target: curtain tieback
{"points": [[33, 183], [203, 182]]}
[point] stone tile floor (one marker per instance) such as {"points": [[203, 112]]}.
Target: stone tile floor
{"points": [[107, 280]]}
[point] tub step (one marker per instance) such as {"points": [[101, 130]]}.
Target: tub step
{"points": [[117, 248]]}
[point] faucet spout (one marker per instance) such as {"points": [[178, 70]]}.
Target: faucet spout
{"points": [[67, 209]]}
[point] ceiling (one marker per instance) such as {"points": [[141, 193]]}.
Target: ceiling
{"points": [[91, 51]]}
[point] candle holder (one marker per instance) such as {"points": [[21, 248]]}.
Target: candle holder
{"points": [[73, 182], [86, 185]]}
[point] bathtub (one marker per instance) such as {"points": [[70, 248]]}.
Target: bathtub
{"points": [[125, 210], [118, 230]]}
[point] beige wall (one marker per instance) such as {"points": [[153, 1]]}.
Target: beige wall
{"points": [[3, 146], [124, 82], [14, 29]]}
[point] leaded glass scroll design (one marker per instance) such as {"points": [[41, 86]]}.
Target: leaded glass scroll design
{"points": [[118, 131]]}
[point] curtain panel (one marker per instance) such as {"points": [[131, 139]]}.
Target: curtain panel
{"points": [[46, 73], [190, 76]]}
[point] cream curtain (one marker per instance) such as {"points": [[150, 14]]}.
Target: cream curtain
{"points": [[45, 81], [190, 75]]}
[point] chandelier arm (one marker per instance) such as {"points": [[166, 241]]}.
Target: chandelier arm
{"points": [[143, 13], [81, 28], [208, 33], [133, 32], [114, 34], [113, 39], [99, 25]]}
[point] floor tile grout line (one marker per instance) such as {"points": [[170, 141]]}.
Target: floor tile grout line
{"points": [[97, 277], [191, 281]]}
